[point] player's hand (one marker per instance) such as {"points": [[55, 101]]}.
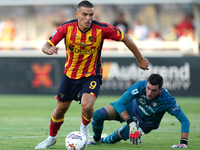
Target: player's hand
{"points": [[179, 146], [134, 134], [53, 50], [143, 63]]}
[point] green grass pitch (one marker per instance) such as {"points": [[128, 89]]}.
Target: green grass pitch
{"points": [[24, 122]]}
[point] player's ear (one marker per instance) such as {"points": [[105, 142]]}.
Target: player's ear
{"points": [[76, 14]]}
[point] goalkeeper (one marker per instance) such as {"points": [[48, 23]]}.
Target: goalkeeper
{"points": [[142, 106]]}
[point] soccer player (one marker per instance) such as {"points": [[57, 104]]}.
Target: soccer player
{"points": [[142, 107], [82, 78]]}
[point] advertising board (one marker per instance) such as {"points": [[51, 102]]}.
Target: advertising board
{"points": [[43, 75]]}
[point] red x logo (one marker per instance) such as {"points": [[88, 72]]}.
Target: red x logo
{"points": [[41, 75]]}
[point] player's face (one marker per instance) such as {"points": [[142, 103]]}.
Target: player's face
{"points": [[152, 91], [85, 16]]}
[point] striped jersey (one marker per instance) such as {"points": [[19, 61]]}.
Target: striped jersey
{"points": [[83, 49]]}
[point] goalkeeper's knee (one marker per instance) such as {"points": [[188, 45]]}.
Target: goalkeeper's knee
{"points": [[100, 115]]}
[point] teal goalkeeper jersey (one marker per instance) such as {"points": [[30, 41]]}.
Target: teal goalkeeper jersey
{"points": [[149, 112]]}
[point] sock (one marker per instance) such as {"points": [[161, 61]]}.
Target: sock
{"points": [[55, 125], [112, 138], [97, 122], [52, 137], [85, 121]]}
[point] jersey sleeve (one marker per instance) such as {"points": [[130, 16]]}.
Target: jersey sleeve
{"points": [[131, 93], [113, 33], [137, 87], [185, 123], [172, 107], [57, 35], [175, 110], [120, 105]]}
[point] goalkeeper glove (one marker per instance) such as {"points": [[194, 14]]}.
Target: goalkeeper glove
{"points": [[183, 144], [134, 134]]}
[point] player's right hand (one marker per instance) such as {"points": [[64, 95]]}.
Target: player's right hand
{"points": [[134, 134], [143, 63], [53, 50]]}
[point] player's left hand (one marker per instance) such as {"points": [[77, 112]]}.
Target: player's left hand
{"points": [[179, 146]]}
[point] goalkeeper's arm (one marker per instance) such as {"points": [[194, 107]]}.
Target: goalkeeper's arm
{"points": [[185, 126]]}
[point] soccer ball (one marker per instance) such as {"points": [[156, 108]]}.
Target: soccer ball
{"points": [[76, 141]]}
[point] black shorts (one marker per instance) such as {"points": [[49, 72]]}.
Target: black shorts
{"points": [[73, 89]]}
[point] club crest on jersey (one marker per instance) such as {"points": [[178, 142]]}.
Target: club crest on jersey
{"points": [[135, 91], [154, 104], [91, 38]]}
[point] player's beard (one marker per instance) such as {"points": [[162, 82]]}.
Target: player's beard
{"points": [[149, 97]]}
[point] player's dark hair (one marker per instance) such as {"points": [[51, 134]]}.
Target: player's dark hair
{"points": [[155, 79], [85, 4]]}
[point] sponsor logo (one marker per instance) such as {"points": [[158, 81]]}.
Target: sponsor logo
{"points": [[147, 110], [120, 77], [76, 36], [143, 110], [62, 95], [82, 51], [83, 44], [176, 108], [71, 48], [142, 101]]}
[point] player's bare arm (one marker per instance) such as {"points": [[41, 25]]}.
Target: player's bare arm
{"points": [[142, 62], [125, 115], [49, 49]]}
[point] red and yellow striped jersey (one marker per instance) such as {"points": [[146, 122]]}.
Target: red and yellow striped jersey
{"points": [[83, 49]]}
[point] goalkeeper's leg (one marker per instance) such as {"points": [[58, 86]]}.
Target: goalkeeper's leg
{"points": [[118, 135], [112, 138], [97, 122]]}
